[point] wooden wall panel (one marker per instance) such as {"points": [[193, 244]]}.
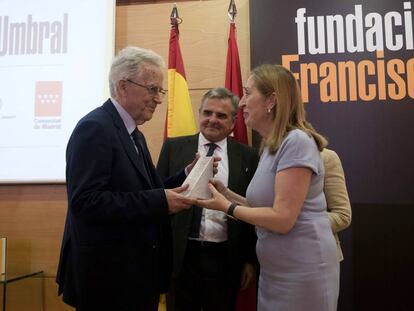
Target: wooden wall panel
{"points": [[203, 36], [32, 216], [25, 294], [32, 219], [203, 41]]}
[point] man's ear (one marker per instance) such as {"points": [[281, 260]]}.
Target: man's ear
{"points": [[121, 87]]}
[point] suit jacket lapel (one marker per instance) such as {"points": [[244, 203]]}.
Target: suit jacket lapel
{"points": [[190, 148], [152, 171], [125, 138], [185, 153], [235, 162]]}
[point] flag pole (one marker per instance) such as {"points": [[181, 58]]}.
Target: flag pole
{"points": [[174, 18], [232, 11]]}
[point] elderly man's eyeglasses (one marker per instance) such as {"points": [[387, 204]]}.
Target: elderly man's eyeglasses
{"points": [[153, 90]]}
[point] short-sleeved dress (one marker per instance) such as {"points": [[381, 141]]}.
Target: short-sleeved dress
{"points": [[299, 271]]}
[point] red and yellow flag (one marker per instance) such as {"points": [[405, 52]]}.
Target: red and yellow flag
{"points": [[180, 118]]}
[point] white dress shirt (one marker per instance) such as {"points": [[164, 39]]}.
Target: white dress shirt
{"points": [[213, 227], [126, 118]]}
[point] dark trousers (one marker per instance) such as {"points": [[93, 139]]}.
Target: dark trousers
{"points": [[204, 282]]}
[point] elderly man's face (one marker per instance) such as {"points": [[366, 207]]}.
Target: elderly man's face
{"points": [[215, 119], [139, 102]]}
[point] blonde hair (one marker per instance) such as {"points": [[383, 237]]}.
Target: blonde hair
{"points": [[289, 112]]}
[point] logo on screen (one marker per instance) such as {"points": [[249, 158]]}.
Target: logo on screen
{"points": [[48, 98]]}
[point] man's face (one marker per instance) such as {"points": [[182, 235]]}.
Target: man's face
{"points": [[138, 101], [215, 119]]}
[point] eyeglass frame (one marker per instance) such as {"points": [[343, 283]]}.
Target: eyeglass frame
{"points": [[153, 90]]}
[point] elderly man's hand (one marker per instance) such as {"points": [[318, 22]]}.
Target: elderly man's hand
{"points": [[178, 202]]}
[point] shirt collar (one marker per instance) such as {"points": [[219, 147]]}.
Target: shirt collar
{"points": [[126, 118], [222, 144]]}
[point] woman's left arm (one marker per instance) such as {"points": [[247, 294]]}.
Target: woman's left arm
{"points": [[291, 188]]}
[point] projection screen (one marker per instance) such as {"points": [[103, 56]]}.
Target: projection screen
{"points": [[54, 62]]}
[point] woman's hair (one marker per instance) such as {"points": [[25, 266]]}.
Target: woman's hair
{"points": [[289, 111], [129, 62]]}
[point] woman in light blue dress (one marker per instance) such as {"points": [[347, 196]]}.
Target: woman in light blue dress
{"points": [[285, 200]]}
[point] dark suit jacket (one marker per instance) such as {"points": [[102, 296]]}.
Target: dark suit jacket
{"points": [[175, 155], [116, 249]]}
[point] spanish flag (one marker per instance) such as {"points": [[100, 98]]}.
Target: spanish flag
{"points": [[180, 118]]}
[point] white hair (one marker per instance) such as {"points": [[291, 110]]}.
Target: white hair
{"points": [[129, 62]]}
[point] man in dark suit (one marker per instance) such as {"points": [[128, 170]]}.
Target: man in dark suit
{"points": [[213, 256], [116, 249]]}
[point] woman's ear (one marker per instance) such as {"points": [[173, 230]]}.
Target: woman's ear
{"points": [[271, 101]]}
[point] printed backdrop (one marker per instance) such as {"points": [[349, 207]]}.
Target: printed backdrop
{"points": [[355, 63]]}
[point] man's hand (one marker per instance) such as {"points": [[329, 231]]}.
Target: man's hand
{"points": [[190, 166], [176, 201], [215, 165], [248, 276]]}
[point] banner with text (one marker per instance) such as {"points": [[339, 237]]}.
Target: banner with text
{"points": [[354, 62]]}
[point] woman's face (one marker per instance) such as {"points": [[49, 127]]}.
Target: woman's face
{"points": [[254, 105]]}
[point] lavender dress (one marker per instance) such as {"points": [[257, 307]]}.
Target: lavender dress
{"points": [[298, 270]]}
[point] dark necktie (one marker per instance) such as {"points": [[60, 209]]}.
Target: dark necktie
{"points": [[197, 211], [211, 148], [143, 155]]}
